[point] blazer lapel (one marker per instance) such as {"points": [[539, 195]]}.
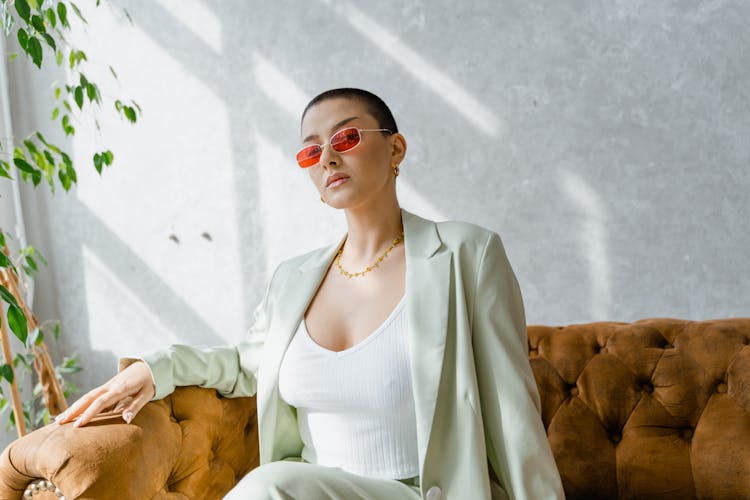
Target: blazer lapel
{"points": [[294, 297], [427, 287], [427, 291]]}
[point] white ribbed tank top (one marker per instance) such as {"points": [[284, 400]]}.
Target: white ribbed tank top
{"points": [[355, 408]]}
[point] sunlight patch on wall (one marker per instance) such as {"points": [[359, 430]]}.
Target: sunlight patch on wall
{"points": [[277, 87], [410, 199], [593, 236], [421, 69]]}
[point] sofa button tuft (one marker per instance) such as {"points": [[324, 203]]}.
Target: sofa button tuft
{"points": [[616, 438], [574, 391], [721, 387], [686, 433]]}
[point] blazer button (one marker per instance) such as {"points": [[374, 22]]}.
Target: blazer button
{"points": [[433, 493]]}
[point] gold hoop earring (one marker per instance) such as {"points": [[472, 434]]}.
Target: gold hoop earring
{"points": [[395, 170], [321, 199]]}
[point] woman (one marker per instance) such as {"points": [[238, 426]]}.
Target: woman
{"points": [[392, 364]]}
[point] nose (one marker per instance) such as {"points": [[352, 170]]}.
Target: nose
{"points": [[328, 156]]}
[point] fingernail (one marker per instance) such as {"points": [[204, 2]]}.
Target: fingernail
{"points": [[127, 416], [77, 422]]}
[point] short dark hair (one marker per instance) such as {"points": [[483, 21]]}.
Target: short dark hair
{"points": [[374, 105]]}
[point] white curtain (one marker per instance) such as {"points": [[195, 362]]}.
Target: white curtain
{"points": [[11, 215]]}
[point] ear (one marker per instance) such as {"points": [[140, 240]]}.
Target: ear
{"points": [[398, 149]]}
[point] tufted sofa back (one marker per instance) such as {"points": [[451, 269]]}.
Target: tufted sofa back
{"points": [[658, 408], [193, 444]]}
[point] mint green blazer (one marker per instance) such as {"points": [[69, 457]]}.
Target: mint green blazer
{"points": [[476, 401]]}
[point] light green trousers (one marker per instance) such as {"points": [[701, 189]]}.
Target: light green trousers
{"points": [[297, 479]]}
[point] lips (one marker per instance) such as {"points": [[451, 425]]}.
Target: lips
{"points": [[333, 178]]}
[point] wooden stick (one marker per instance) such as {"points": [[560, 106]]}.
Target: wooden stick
{"points": [[15, 395], [8, 355]]}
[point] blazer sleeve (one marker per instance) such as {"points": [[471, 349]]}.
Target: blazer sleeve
{"points": [[231, 370], [517, 445]]}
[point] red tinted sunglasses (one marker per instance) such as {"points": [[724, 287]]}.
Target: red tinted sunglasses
{"points": [[343, 140]]}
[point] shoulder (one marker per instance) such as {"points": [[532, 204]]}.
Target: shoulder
{"points": [[466, 238], [458, 231]]}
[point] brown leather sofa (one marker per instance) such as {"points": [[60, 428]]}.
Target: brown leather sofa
{"points": [[658, 408]]}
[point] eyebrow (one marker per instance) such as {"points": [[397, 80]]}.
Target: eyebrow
{"points": [[342, 122]]}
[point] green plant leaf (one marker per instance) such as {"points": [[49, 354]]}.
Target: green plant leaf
{"points": [[6, 295], [72, 173], [4, 262], [17, 323], [22, 7], [23, 165], [78, 12], [23, 39], [62, 13], [51, 17], [79, 96], [91, 92], [30, 261], [38, 23], [98, 159], [6, 371], [50, 41], [108, 157], [41, 138], [5, 170], [59, 59], [129, 113], [55, 112], [50, 158], [35, 51], [64, 179], [2, 238], [31, 146]]}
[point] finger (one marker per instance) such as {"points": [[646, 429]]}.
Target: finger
{"points": [[124, 403], [130, 411], [108, 398], [79, 406]]}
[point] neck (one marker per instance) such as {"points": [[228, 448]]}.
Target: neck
{"points": [[371, 230]]}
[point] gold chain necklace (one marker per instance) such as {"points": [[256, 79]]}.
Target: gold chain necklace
{"points": [[368, 268]]}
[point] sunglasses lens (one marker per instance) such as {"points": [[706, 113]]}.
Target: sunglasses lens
{"points": [[345, 139], [309, 156]]}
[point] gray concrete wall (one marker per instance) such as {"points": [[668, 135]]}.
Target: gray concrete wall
{"points": [[606, 142]]}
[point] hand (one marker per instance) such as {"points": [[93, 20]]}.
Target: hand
{"points": [[128, 391]]}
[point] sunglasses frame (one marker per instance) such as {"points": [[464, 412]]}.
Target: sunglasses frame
{"points": [[322, 146]]}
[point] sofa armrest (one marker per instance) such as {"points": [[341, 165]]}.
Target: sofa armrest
{"points": [[191, 444]]}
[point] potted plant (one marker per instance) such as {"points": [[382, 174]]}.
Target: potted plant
{"points": [[40, 28]]}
